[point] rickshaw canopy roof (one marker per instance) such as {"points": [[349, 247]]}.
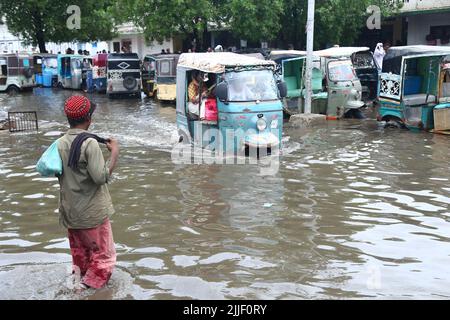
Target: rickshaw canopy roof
{"points": [[123, 56], [392, 61], [45, 55], [340, 51], [77, 56], [218, 62], [394, 52], [278, 54], [19, 55], [161, 56]]}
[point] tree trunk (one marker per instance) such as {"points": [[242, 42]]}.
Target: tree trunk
{"points": [[41, 41], [39, 32]]}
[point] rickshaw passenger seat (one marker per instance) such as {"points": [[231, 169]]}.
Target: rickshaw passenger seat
{"points": [[418, 99], [413, 85], [292, 86]]}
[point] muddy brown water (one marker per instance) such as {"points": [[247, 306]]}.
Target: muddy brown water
{"points": [[355, 211]]}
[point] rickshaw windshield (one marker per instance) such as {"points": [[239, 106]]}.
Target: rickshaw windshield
{"points": [[251, 85], [363, 60], [51, 63], [76, 64], [341, 71]]}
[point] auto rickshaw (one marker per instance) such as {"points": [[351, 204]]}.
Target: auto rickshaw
{"points": [[46, 69], [16, 73], [409, 86], [99, 62], [72, 71], [242, 95], [159, 76], [364, 65], [123, 75], [336, 91]]}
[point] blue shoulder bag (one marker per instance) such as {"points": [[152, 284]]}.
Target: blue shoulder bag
{"points": [[50, 163]]}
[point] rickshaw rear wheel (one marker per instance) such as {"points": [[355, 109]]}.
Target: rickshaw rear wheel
{"points": [[393, 124]]}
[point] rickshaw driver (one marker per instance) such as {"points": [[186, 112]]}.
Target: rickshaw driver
{"points": [[239, 91]]}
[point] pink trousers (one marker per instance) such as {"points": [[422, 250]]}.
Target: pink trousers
{"points": [[93, 254]]}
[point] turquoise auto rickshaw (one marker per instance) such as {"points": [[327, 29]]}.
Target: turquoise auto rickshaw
{"points": [[45, 70], [72, 71], [409, 88], [241, 99]]}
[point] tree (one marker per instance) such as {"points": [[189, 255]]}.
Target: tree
{"points": [[40, 21], [293, 22], [336, 21], [254, 20], [161, 19]]}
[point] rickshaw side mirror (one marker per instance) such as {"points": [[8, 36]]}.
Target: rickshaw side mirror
{"points": [[221, 91], [282, 88]]}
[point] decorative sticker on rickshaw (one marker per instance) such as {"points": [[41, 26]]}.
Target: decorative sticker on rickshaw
{"points": [[116, 75], [98, 72]]}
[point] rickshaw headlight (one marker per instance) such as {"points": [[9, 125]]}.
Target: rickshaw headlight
{"points": [[261, 124]]}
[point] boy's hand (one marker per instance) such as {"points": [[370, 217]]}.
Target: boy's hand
{"points": [[112, 144]]}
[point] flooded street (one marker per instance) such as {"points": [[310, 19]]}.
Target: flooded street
{"points": [[355, 211]]}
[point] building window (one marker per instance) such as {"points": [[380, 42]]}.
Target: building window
{"points": [[126, 45], [116, 47], [441, 32]]}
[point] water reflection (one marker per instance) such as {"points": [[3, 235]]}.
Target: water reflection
{"points": [[354, 211]]}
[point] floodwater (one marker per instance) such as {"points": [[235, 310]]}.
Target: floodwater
{"points": [[355, 211]]}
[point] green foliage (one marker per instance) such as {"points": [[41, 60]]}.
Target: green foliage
{"points": [[337, 21], [341, 21], [161, 19], [38, 21], [254, 19]]}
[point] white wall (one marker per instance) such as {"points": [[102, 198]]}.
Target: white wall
{"points": [[413, 5], [139, 45], [419, 26]]}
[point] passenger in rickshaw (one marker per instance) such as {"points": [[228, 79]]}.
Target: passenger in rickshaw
{"points": [[202, 105]]}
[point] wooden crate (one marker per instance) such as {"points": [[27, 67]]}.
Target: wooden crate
{"points": [[441, 119]]}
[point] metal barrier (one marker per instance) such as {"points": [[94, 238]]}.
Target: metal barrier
{"points": [[22, 121]]}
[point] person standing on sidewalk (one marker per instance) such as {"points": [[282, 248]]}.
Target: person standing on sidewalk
{"points": [[85, 202]]}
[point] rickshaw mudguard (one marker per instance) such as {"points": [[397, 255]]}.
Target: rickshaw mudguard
{"points": [[387, 113], [264, 139]]}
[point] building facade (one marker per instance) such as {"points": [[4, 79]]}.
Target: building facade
{"points": [[131, 39], [428, 21]]}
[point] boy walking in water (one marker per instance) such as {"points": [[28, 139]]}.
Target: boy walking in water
{"points": [[85, 203]]}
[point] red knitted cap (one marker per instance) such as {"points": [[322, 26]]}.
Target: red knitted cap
{"points": [[77, 107]]}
